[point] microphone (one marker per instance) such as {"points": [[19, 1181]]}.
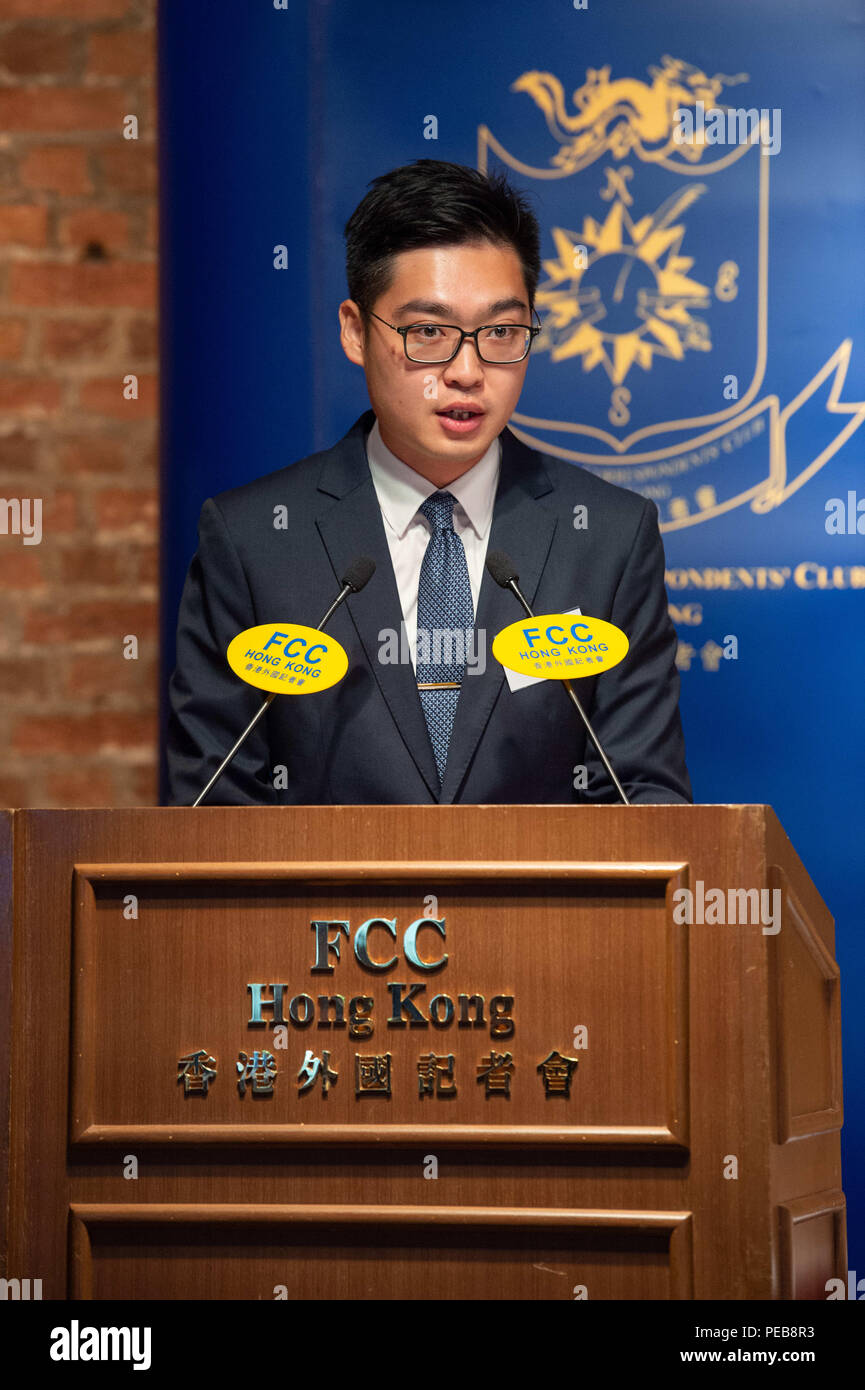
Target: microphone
{"points": [[501, 568], [358, 574], [502, 571]]}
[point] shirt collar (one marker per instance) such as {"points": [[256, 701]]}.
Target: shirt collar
{"points": [[401, 490]]}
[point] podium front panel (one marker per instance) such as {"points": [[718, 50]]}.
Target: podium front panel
{"points": [[239, 1065]]}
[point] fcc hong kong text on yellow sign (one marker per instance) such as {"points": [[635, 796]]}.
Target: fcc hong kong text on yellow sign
{"points": [[560, 646], [287, 658]]}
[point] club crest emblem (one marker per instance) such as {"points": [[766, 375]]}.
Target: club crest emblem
{"points": [[652, 366]]}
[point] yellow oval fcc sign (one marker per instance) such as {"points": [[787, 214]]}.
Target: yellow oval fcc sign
{"points": [[287, 658], [560, 646]]}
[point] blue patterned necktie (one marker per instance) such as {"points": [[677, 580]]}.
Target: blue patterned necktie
{"points": [[445, 614]]}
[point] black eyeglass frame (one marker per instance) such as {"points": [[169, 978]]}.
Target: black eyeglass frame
{"points": [[439, 362]]}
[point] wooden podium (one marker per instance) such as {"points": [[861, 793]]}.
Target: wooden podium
{"points": [[458, 1052]]}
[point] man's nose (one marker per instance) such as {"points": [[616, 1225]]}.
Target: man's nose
{"points": [[466, 363]]}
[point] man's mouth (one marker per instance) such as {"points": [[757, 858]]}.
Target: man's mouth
{"points": [[460, 421]]}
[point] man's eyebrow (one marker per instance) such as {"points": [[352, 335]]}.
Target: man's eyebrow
{"points": [[434, 306]]}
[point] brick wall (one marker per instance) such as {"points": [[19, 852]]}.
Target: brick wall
{"points": [[78, 228]]}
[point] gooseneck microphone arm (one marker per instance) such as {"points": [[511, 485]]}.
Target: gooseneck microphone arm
{"points": [[343, 594], [243, 737], [354, 579], [502, 571]]}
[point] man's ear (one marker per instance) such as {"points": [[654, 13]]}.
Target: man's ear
{"points": [[351, 332]]}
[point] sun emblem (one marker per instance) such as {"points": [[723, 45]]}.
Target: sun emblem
{"points": [[619, 293]]}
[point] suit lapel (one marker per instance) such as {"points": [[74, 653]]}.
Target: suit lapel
{"points": [[353, 526], [524, 530]]}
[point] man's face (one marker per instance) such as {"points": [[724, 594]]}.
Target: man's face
{"points": [[470, 285]]}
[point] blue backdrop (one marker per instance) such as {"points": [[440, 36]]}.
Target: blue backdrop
{"points": [[702, 307]]}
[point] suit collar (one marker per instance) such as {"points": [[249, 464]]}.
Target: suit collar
{"points": [[345, 466]]}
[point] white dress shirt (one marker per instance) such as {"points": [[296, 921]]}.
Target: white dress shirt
{"points": [[400, 491]]}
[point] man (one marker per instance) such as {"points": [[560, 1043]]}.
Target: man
{"points": [[442, 266]]}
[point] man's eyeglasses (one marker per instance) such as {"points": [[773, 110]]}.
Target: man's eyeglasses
{"points": [[500, 343]]}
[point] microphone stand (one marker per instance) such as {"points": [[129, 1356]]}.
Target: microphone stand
{"points": [[512, 585]]}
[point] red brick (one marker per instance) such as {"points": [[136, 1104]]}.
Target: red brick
{"points": [[109, 619], [16, 676], [146, 108], [129, 166], [12, 335], [57, 169], [143, 337], [92, 454], [145, 784], [110, 283], [109, 229], [146, 455], [65, 9], [34, 51], [92, 564], [50, 109], [108, 673], [18, 451], [127, 53], [99, 757], [20, 568], [104, 395], [117, 509], [88, 733], [8, 174], [76, 337], [23, 224], [29, 393], [60, 512], [81, 786], [147, 571], [152, 232]]}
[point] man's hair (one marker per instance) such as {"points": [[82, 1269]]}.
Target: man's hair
{"points": [[434, 203]]}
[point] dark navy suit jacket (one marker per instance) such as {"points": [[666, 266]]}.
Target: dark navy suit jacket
{"points": [[365, 740]]}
